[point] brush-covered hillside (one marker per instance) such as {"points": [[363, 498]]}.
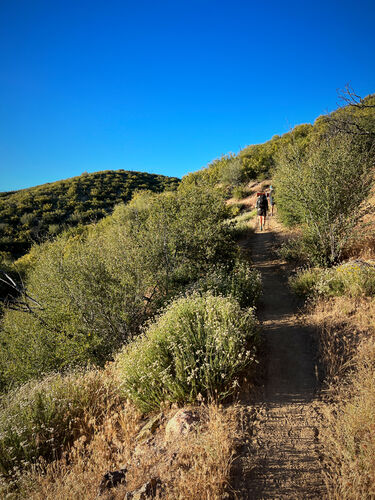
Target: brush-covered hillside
{"points": [[38, 212], [260, 161]]}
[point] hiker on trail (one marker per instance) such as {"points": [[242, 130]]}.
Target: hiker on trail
{"points": [[271, 199], [262, 207]]}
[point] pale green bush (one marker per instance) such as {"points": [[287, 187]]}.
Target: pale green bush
{"points": [[240, 192], [240, 225], [325, 188], [196, 349], [352, 278]]}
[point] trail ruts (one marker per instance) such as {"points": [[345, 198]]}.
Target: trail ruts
{"points": [[280, 459]]}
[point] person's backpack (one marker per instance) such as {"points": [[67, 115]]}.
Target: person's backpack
{"points": [[262, 202]]}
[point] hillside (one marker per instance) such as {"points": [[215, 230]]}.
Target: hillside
{"points": [[259, 161], [32, 214]]}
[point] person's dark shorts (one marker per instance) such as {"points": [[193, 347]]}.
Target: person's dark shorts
{"points": [[262, 212]]}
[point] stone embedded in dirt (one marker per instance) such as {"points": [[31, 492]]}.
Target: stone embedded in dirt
{"points": [[112, 479], [181, 424], [147, 491], [150, 427]]}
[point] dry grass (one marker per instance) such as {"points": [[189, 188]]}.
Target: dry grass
{"points": [[349, 432], [196, 466], [342, 322], [347, 342]]}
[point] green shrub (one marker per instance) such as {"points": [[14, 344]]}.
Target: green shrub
{"points": [[97, 286], [231, 171], [325, 189], [241, 282], [240, 192], [353, 278], [305, 281], [234, 210], [195, 349], [43, 417], [357, 278]]}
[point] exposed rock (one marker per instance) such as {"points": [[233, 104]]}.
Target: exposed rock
{"points": [[182, 423], [145, 492], [150, 427], [112, 479]]}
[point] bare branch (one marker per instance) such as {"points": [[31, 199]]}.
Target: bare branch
{"points": [[350, 98], [23, 302]]}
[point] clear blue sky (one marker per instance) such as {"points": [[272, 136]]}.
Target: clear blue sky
{"points": [[167, 86]]}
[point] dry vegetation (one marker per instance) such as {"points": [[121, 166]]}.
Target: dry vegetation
{"points": [[195, 466], [347, 345]]}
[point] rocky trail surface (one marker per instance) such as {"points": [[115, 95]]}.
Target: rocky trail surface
{"points": [[280, 457]]}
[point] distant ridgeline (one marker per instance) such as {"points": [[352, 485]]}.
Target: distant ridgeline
{"points": [[35, 213]]}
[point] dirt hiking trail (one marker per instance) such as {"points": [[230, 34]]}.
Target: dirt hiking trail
{"points": [[280, 458]]}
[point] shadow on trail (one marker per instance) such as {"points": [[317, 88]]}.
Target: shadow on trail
{"points": [[280, 459], [291, 353]]}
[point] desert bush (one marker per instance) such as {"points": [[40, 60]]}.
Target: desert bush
{"points": [[241, 282], [234, 210], [295, 250], [195, 349], [355, 279], [95, 287], [304, 281], [232, 172], [43, 417], [325, 188]]}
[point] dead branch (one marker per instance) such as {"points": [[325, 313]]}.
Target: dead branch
{"points": [[22, 301]]}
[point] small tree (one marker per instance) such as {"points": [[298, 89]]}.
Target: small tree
{"points": [[326, 190]]}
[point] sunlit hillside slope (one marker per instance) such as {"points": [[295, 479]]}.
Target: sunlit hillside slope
{"points": [[31, 214]]}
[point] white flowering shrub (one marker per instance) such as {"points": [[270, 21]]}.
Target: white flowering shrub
{"points": [[194, 350], [241, 282], [42, 417]]}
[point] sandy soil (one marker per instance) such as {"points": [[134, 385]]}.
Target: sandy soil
{"points": [[280, 458]]}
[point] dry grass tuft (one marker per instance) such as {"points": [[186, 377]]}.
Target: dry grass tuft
{"points": [[195, 466]]}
